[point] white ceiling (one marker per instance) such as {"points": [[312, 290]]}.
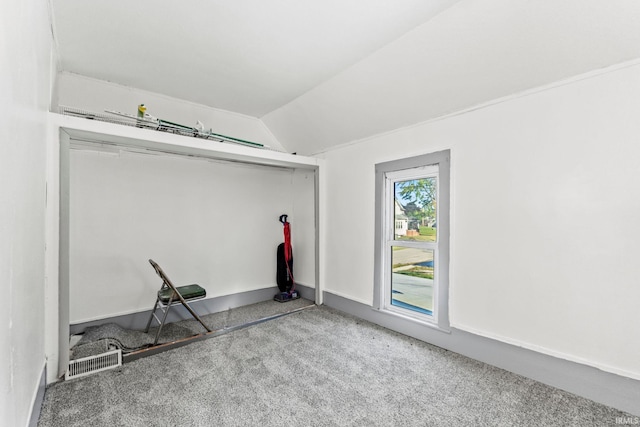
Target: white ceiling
{"points": [[470, 54], [322, 73], [246, 56]]}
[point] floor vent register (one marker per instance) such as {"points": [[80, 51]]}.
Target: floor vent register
{"points": [[94, 364]]}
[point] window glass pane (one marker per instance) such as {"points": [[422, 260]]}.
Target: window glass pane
{"points": [[415, 210], [412, 279]]}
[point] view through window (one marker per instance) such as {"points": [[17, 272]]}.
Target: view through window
{"points": [[412, 233], [412, 248]]}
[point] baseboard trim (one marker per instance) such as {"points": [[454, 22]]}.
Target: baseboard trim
{"points": [[306, 292], [39, 398], [603, 387], [138, 320]]}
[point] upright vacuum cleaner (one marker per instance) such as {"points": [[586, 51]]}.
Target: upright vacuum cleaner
{"points": [[284, 270]]}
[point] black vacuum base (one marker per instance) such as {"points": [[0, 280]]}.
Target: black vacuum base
{"points": [[286, 296]]}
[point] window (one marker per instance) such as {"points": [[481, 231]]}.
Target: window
{"points": [[412, 238]]}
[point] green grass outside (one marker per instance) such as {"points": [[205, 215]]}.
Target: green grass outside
{"points": [[422, 272], [427, 234], [427, 231]]}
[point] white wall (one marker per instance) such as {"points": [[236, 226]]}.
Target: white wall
{"points": [[544, 223], [96, 96], [208, 222], [470, 53], [303, 227], [25, 78]]}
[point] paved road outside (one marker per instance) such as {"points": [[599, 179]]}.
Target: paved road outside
{"points": [[414, 291], [411, 256]]}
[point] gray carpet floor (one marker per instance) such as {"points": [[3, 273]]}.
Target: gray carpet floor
{"points": [[317, 367], [98, 339]]}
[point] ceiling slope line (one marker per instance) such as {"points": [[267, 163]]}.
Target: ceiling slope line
{"points": [[480, 106], [355, 63]]}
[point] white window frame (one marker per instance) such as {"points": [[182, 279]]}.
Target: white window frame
{"points": [[387, 174], [391, 178]]}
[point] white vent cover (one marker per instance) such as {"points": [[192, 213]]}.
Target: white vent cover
{"points": [[93, 364]]}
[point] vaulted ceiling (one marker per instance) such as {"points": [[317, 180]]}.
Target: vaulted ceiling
{"points": [[322, 73], [247, 56]]}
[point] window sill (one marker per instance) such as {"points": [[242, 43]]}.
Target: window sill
{"points": [[413, 320]]}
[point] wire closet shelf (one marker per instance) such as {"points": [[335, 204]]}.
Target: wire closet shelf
{"points": [[159, 125]]}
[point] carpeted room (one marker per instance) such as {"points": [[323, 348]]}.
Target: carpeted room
{"points": [[534, 101], [316, 367]]}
